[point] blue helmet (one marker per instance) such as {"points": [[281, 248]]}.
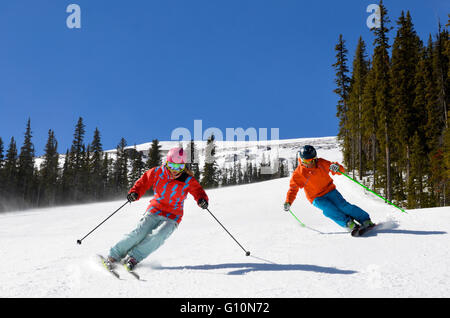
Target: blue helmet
{"points": [[307, 152]]}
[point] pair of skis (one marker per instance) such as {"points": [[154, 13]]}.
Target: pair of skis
{"points": [[113, 271]]}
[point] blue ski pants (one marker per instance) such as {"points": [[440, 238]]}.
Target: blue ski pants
{"points": [[150, 233], [335, 207]]}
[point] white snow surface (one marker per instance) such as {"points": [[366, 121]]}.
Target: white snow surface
{"points": [[407, 255]]}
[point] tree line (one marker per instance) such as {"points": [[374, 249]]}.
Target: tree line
{"points": [[393, 115], [87, 173], [238, 172]]}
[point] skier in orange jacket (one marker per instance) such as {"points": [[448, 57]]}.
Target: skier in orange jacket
{"points": [[312, 175]]}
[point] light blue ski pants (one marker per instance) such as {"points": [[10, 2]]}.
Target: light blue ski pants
{"points": [[334, 206], [150, 233]]}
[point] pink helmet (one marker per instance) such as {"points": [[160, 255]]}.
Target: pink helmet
{"points": [[177, 155]]}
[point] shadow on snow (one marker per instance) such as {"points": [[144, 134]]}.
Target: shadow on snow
{"points": [[411, 232], [244, 268]]}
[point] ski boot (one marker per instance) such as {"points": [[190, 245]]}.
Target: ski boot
{"points": [[353, 227], [366, 226], [109, 263], [130, 263]]}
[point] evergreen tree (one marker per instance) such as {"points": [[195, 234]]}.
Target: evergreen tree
{"points": [[48, 174], [418, 171], [369, 124], [120, 171], [107, 177], [26, 170], [446, 158], [441, 69], [264, 164], [355, 108], [405, 57], [440, 63], [11, 167], [78, 146], [434, 126], [416, 197], [10, 174], [424, 93], [224, 177], [249, 172], [137, 166], [383, 93], [245, 176], [295, 163], [282, 169], [210, 177], [240, 175], [77, 164], [87, 180], [194, 160], [154, 155], [2, 174], [446, 129], [342, 90], [96, 177], [65, 191], [2, 158], [256, 173]]}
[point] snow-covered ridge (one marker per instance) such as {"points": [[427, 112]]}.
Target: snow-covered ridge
{"points": [[255, 151]]}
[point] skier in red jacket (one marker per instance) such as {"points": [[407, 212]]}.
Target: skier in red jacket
{"points": [[171, 184]]}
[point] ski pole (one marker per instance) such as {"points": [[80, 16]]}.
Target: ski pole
{"points": [[247, 253], [297, 218], [79, 241], [373, 192], [303, 225]]}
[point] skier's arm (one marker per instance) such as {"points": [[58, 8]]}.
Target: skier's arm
{"points": [[196, 190], [294, 185], [144, 183]]}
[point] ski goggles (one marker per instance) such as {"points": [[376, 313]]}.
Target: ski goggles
{"points": [[308, 161], [176, 167]]}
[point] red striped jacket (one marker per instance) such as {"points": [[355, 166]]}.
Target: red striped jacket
{"points": [[170, 193]]}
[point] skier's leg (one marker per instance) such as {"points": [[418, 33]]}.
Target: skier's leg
{"points": [[145, 226], [351, 210], [153, 240], [331, 211]]}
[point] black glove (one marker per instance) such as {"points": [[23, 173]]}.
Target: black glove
{"points": [[286, 206], [202, 203], [133, 196]]}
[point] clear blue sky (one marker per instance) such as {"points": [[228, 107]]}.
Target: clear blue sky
{"points": [[138, 69]]}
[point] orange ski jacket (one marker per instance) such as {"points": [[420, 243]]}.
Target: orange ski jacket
{"points": [[315, 181]]}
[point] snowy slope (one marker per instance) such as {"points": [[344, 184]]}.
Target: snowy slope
{"points": [[407, 257]]}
